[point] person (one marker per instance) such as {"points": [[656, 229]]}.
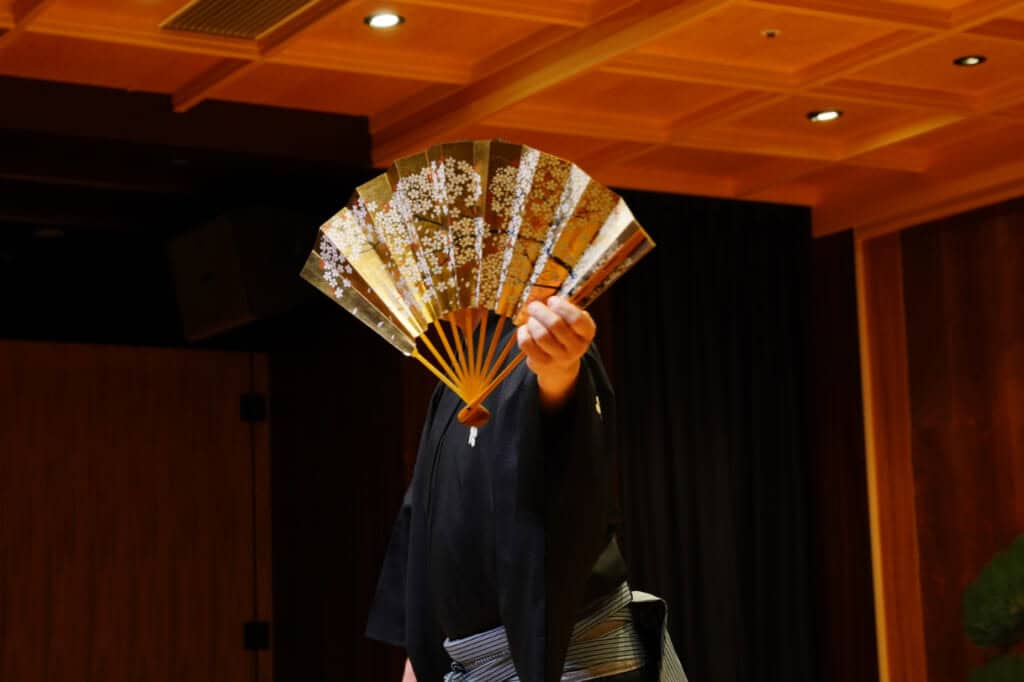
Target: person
{"points": [[503, 562]]}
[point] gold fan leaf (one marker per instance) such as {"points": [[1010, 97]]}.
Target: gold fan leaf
{"points": [[423, 251]]}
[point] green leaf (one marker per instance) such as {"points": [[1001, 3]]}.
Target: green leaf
{"points": [[1002, 669], [993, 605]]}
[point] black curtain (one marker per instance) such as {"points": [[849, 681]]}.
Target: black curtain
{"points": [[337, 483], [710, 336]]}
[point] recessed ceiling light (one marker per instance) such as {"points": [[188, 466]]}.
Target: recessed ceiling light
{"points": [[382, 20], [824, 116], [970, 60]]}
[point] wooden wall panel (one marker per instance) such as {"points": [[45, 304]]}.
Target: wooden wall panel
{"points": [[126, 521], [964, 297], [890, 472], [262, 522], [942, 331]]}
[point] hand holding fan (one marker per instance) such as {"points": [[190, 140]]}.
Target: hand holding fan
{"points": [[464, 228]]}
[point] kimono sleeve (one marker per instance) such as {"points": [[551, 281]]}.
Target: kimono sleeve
{"points": [[580, 510], [562, 504], [387, 618], [386, 621]]}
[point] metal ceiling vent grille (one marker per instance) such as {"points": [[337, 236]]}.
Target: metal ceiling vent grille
{"points": [[233, 18]]}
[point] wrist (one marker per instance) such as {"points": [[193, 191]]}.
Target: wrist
{"points": [[556, 383]]}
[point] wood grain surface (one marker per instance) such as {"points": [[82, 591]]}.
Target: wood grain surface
{"points": [[126, 514], [964, 291]]}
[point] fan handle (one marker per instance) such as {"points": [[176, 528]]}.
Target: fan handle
{"points": [[474, 415]]}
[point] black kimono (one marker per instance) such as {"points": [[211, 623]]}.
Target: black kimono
{"points": [[517, 530]]}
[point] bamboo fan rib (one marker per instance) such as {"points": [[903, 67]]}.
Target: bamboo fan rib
{"points": [[423, 252]]}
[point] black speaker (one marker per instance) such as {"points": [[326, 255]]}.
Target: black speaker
{"points": [[240, 267]]}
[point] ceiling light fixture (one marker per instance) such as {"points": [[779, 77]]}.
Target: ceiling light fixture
{"points": [[383, 20], [970, 60], [824, 116]]}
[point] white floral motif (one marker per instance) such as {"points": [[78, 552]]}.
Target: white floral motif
{"points": [[335, 266], [511, 188], [572, 191], [424, 229], [390, 250], [478, 254]]}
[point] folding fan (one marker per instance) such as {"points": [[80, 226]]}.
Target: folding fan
{"points": [[468, 227]]}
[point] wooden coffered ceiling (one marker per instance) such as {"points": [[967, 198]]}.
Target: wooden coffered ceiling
{"points": [[684, 96]]}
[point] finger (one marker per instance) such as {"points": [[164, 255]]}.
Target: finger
{"points": [[529, 347], [555, 324], [579, 320], [543, 337]]}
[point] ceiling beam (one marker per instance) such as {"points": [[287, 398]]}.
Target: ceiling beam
{"points": [[901, 208], [23, 14], [27, 11], [504, 57], [491, 89], [904, 43], [896, 134], [969, 13], [690, 131], [599, 9], [831, 77], [432, 68], [869, 152], [596, 124], [607, 38], [574, 14], [1008, 96], [763, 80], [613, 154], [749, 142], [334, 57], [1004, 29], [894, 158], [664, 180], [796, 194], [893, 14], [863, 153], [560, 12], [771, 181], [880, 49], [724, 109], [978, 13], [206, 83], [668, 68], [902, 96], [177, 41], [773, 174], [269, 45]]}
